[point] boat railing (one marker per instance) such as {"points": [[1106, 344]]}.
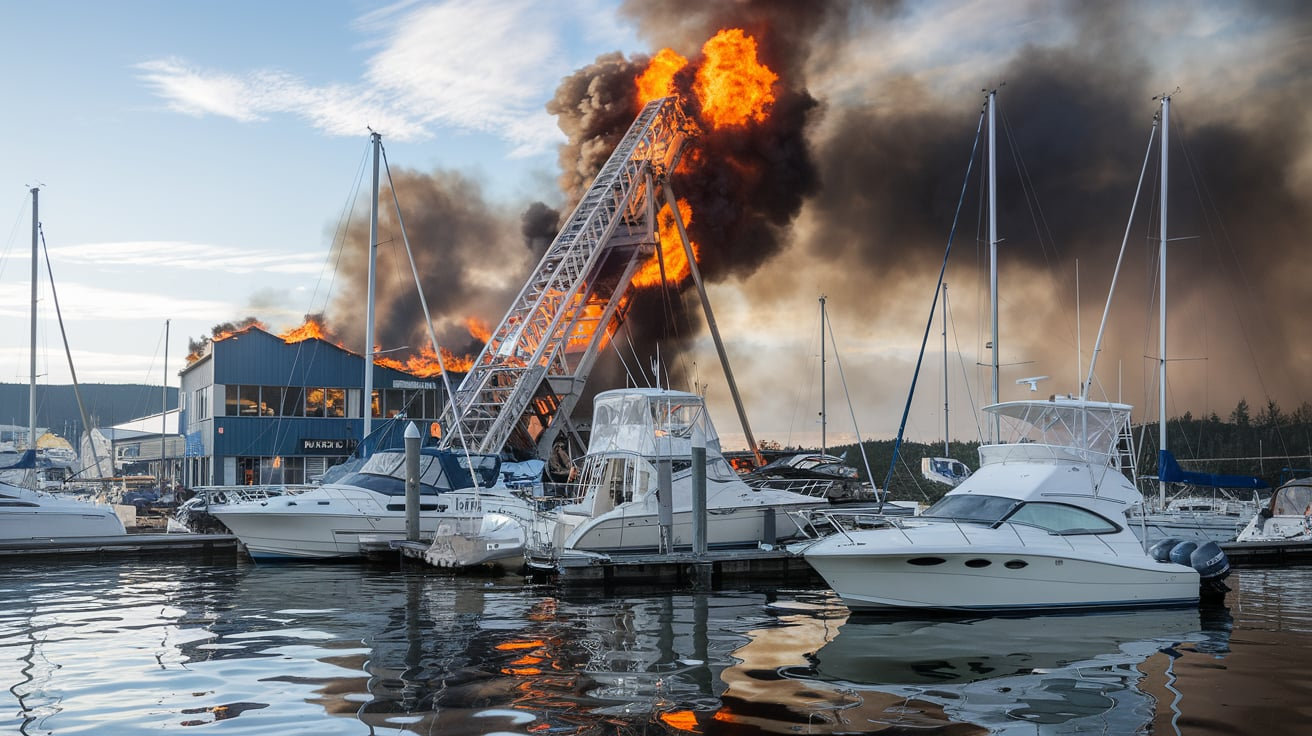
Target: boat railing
{"points": [[826, 522], [222, 495]]}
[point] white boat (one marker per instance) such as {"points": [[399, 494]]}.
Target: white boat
{"points": [[1040, 526], [616, 506], [330, 521], [1286, 518], [945, 470], [31, 514], [1197, 518], [27, 514]]}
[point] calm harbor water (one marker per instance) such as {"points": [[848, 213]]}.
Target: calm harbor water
{"points": [[131, 647]]}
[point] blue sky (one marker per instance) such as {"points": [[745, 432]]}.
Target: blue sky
{"points": [[194, 158], [194, 154]]}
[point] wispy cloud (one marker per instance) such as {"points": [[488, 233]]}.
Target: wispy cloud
{"points": [[82, 301], [461, 64], [189, 256]]}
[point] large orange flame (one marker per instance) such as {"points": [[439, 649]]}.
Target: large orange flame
{"points": [[657, 80], [478, 329], [672, 252], [311, 328], [732, 86]]}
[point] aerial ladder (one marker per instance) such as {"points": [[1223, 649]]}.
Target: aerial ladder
{"points": [[533, 368], [521, 390]]}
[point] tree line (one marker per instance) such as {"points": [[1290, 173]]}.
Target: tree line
{"points": [[1270, 444]]}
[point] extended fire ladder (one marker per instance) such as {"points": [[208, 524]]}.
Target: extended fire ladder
{"points": [[533, 369]]}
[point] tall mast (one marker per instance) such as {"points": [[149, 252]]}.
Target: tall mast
{"points": [[1161, 287], [164, 413], [368, 401], [947, 449], [823, 418], [31, 387], [993, 247]]}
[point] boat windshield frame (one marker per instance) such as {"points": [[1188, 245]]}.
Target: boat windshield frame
{"points": [[972, 508]]}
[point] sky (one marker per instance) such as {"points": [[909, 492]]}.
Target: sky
{"points": [[201, 163]]}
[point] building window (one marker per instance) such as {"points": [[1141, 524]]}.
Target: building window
{"points": [[314, 402], [231, 402], [248, 401], [293, 402], [335, 402]]}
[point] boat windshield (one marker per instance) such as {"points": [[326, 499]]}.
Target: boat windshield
{"points": [[1294, 499], [982, 509]]}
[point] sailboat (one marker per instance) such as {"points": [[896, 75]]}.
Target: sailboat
{"points": [[1041, 526], [1217, 517], [27, 513]]}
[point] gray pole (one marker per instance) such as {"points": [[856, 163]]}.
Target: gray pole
{"points": [[1161, 295], [411, 482], [368, 402], [31, 388], [665, 502], [824, 417], [164, 414], [698, 492], [714, 329]]}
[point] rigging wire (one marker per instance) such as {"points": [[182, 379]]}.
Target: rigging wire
{"points": [[428, 320], [929, 324]]}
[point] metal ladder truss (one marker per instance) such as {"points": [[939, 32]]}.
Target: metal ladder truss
{"points": [[532, 370]]}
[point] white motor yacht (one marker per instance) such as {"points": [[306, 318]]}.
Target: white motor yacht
{"points": [[615, 505], [1040, 526], [29, 514], [329, 521]]}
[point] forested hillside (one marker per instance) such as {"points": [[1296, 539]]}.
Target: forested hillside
{"points": [[106, 405]]}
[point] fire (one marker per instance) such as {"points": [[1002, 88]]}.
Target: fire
{"points": [[657, 80], [426, 365], [311, 328], [478, 329], [672, 252], [732, 86]]}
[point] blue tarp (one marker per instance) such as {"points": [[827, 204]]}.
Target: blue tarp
{"points": [[1169, 471]]}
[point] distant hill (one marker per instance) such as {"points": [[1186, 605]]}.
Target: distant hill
{"points": [[107, 404]]}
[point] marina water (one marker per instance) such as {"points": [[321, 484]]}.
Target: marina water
{"points": [[135, 647]]}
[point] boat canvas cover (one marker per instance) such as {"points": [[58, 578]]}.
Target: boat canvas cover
{"points": [[651, 423], [1169, 471]]}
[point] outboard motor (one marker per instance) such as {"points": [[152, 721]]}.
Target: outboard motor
{"points": [[1207, 558], [1213, 567], [1161, 551]]}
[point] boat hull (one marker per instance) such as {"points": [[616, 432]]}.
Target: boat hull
{"points": [[886, 569], [26, 514], [623, 531]]}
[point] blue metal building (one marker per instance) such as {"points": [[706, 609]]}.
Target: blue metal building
{"points": [[257, 409]]}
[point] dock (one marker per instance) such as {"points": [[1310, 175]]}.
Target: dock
{"points": [[711, 570], [200, 546], [1267, 554]]}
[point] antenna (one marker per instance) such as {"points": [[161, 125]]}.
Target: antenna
{"points": [[1033, 381]]}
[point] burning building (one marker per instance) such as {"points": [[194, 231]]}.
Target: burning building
{"points": [[263, 408]]}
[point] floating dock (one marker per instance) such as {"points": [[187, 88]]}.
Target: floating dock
{"points": [[1267, 554], [681, 569], [127, 545]]}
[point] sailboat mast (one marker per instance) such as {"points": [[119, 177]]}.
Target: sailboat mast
{"points": [[368, 399], [823, 417], [993, 247], [947, 449], [31, 387], [1161, 327], [164, 413]]}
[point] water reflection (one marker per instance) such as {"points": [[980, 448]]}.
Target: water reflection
{"points": [[126, 648], [1077, 672]]}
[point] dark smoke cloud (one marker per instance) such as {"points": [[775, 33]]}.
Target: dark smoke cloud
{"points": [[469, 257], [1077, 120]]}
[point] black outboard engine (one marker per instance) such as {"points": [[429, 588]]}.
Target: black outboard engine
{"points": [[1207, 558]]}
